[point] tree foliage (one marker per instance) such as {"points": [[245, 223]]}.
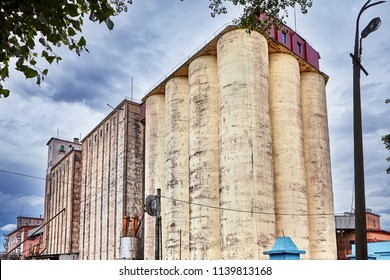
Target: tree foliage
{"points": [[48, 23], [276, 11], [58, 23]]}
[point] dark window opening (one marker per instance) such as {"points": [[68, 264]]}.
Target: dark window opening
{"points": [[284, 37], [299, 47]]}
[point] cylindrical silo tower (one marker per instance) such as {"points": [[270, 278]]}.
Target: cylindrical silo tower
{"points": [[288, 155], [318, 167], [203, 155], [245, 146], [177, 168], [154, 165]]}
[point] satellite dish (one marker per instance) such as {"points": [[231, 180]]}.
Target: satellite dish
{"points": [[151, 205]]}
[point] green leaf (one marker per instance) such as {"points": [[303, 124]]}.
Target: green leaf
{"points": [[71, 31], [28, 72], [4, 92], [109, 24], [82, 42], [44, 72], [50, 59]]}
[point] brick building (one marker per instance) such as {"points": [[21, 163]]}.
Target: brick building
{"points": [[345, 232], [62, 197], [112, 181], [19, 243]]}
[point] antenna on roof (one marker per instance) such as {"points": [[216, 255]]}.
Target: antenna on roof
{"points": [[295, 19], [132, 85], [110, 106]]}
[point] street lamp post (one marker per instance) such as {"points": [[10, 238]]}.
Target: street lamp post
{"points": [[360, 201]]}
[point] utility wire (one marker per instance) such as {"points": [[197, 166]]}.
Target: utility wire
{"points": [[21, 174], [246, 211], [174, 199]]}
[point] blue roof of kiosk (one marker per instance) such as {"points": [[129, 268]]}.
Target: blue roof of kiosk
{"points": [[284, 245]]}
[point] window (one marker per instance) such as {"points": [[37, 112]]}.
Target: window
{"points": [[62, 148], [101, 132], [95, 137], [114, 120], [284, 37], [299, 47], [107, 127]]}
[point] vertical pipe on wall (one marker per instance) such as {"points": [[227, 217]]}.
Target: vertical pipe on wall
{"points": [[245, 146], [203, 162], [154, 164], [289, 163], [318, 167], [177, 167]]}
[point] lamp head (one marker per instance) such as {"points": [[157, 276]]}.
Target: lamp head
{"points": [[371, 27]]}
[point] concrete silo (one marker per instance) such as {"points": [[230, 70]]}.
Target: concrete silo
{"points": [[154, 164], [318, 167], [203, 159], [288, 155], [177, 168], [245, 146]]}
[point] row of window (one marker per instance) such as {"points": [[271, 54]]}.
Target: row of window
{"points": [[101, 132], [284, 40]]}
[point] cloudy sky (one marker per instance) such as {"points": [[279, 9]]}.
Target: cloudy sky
{"points": [[146, 43]]}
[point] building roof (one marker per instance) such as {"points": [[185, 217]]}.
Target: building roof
{"points": [[125, 101], [209, 47], [284, 245], [62, 140], [35, 231]]}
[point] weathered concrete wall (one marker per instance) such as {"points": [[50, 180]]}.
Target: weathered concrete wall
{"points": [[154, 166], [203, 151], [177, 168], [287, 140], [134, 165], [245, 149], [63, 187], [318, 167], [112, 175]]}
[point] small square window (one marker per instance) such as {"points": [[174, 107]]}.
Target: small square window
{"points": [[284, 37], [299, 47]]}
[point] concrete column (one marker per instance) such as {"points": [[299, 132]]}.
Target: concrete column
{"points": [[289, 163], [204, 167], [177, 169], [245, 146], [105, 186], [318, 167], [154, 165]]}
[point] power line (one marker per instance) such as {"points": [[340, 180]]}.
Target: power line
{"points": [[247, 211], [21, 174], [174, 199]]}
